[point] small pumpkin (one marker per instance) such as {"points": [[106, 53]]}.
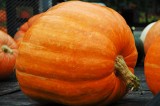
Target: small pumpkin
{"points": [[8, 55], [77, 53], [3, 15], [152, 35], [22, 30], [152, 67], [25, 14]]}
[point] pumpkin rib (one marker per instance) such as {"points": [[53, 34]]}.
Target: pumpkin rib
{"points": [[130, 59], [55, 61], [119, 26], [116, 92], [71, 51], [103, 101], [152, 67], [73, 84]]}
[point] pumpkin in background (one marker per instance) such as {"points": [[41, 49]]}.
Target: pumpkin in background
{"points": [[145, 31], [140, 49], [22, 30], [77, 53], [3, 28], [152, 67], [152, 35], [8, 55], [25, 14], [2, 15]]}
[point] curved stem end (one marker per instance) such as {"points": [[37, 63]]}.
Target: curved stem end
{"points": [[129, 78]]}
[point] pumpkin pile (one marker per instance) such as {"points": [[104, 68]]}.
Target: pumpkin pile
{"points": [[77, 53], [8, 55]]}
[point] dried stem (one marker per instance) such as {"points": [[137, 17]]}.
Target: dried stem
{"points": [[130, 79]]}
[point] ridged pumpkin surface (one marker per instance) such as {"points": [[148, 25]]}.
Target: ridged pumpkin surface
{"points": [[151, 36], [68, 55], [152, 67], [23, 29], [8, 54], [145, 31]]}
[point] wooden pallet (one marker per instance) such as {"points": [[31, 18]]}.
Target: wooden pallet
{"points": [[11, 95]]}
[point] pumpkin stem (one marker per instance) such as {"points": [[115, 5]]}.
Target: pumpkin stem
{"points": [[6, 49], [130, 79]]}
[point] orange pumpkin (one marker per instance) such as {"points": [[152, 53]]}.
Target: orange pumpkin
{"points": [[2, 15], [22, 30], [25, 14], [151, 36], [152, 67], [73, 54], [8, 55], [3, 28]]}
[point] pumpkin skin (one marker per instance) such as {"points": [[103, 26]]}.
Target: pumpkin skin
{"points": [[3, 28], [152, 67], [8, 55], [145, 31], [2, 15], [22, 30], [151, 36], [25, 14], [67, 56]]}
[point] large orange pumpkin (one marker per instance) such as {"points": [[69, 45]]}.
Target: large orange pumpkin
{"points": [[152, 67], [151, 36], [73, 54], [8, 54], [22, 30]]}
